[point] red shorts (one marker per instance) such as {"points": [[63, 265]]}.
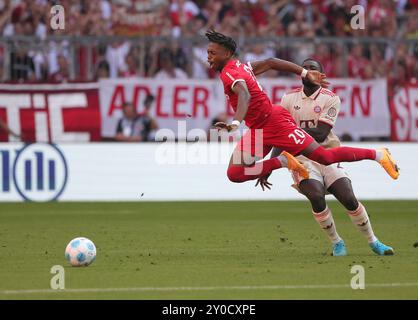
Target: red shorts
{"points": [[280, 130]]}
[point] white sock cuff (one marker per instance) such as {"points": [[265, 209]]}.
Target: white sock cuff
{"points": [[358, 211], [379, 155], [323, 215], [283, 161]]}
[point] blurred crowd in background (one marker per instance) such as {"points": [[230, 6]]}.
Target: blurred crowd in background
{"points": [[165, 38]]}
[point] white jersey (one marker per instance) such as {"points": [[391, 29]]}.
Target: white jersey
{"points": [[322, 106]]}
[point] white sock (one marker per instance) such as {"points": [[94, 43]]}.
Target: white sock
{"points": [[326, 221], [362, 221], [283, 161], [379, 155]]}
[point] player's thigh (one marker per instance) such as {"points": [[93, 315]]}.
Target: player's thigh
{"points": [[241, 158], [291, 139], [313, 168], [282, 132], [309, 148], [314, 187], [333, 173], [249, 149]]}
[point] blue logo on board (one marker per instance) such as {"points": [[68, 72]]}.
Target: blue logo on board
{"points": [[39, 172]]}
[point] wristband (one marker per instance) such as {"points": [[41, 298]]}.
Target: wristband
{"points": [[304, 73], [236, 122]]}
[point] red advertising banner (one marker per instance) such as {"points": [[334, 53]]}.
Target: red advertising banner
{"points": [[404, 113], [51, 113]]}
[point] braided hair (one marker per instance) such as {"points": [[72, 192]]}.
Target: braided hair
{"points": [[221, 39]]}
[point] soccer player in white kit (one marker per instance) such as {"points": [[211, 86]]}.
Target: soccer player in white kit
{"points": [[315, 110]]}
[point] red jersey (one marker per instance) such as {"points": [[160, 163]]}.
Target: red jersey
{"points": [[260, 106]]}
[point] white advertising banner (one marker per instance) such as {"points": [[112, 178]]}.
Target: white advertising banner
{"points": [[189, 104], [168, 171]]}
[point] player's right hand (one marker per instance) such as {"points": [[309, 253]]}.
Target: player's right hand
{"points": [[317, 78], [263, 183]]}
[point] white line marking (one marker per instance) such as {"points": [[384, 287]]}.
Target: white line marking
{"points": [[147, 289]]}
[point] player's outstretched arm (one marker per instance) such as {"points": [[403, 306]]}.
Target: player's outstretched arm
{"points": [[240, 88], [265, 65], [314, 76]]}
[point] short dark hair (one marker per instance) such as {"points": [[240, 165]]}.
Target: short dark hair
{"points": [[221, 39], [316, 61]]}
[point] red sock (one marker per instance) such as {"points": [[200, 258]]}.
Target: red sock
{"points": [[259, 169], [341, 154]]}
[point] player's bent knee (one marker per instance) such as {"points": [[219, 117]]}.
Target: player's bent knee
{"points": [[350, 202], [236, 174], [318, 202]]}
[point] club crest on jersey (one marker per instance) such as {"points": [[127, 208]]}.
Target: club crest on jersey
{"points": [[317, 109], [296, 107], [332, 112]]}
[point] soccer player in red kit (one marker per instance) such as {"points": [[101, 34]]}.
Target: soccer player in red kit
{"points": [[272, 126]]}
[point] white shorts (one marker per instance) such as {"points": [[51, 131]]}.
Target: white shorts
{"points": [[326, 175]]}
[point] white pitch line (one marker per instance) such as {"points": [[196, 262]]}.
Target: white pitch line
{"points": [[168, 289]]}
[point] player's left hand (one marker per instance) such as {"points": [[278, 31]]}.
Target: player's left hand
{"points": [[263, 183], [318, 78], [225, 126]]}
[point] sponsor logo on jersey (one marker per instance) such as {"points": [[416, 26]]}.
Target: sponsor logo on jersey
{"points": [[306, 123]]}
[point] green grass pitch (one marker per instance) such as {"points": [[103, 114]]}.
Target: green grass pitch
{"points": [[204, 250]]}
